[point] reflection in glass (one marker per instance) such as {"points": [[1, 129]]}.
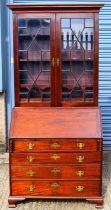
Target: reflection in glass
{"points": [[89, 22], [77, 59], [34, 59], [65, 23], [45, 23], [22, 23], [77, 25], [67, 34], [88, 39]]}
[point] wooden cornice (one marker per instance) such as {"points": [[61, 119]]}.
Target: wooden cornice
{"points": [[54, 7]]}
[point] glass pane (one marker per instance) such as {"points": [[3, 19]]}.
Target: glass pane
{"points": [[45, 23], [34, 59], [87, 39], [89, 23], [67, 34], [77, 51], [77, 26], [65, 23], [22, 23]]}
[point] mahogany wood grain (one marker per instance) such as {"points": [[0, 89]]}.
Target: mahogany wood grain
{"points": [[65, 188], [56, 7], [54, 158], [56, 123], [38, 145], [16, 65], [71, 172], [96, 57]]}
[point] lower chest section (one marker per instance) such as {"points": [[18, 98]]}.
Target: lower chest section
{"points": [[55, 167]]}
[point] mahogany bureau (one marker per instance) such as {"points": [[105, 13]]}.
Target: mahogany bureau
{"points": [[55, 141], [56, 153]]}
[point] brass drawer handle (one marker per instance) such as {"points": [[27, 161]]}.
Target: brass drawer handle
{"points": [[55, 185], [80, 188], [80, 158], [55, 171], [31, 188], [55, 157], [55, 146], [30, 158], [80, 145], [80, 173], [31, 173], [30, 146]]}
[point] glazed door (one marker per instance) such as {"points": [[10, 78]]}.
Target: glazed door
{"points": [[56, 59], [76, 59], [34, 41]]}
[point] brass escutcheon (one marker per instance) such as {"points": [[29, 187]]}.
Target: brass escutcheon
{"points": [[80, 188], [80, 173], [30, 146], [80, 145], [58, 61], [30, 158], [55, 185], [55, 157], [55, 146], [53, 61], [80, 158], [31, 188], [31, 173], [55, 171]]}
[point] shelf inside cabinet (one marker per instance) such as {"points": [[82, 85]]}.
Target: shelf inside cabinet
{"points": [[29, 86], [33, 35], [26, 70]]}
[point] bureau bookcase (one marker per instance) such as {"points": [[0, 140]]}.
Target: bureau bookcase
{"points": [[55, 136]]}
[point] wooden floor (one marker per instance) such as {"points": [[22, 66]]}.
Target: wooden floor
{"points": [[55, 205]]}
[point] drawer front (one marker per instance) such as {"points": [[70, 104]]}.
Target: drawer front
{"points": [[55, 145], [56, 188], [54, 158], [56, 172]]}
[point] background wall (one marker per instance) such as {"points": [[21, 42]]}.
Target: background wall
{"points": [[2, 123], [2, 79], [104, 62]]}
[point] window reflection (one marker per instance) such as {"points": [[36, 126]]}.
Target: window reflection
{"points": [[77, 59]]}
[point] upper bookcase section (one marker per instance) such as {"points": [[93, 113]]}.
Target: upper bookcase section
{"points": [[56, 54]]}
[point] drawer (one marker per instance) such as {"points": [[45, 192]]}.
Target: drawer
{"points": [[55, 145], [56, 188], [54, 158], [56, 172]]}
